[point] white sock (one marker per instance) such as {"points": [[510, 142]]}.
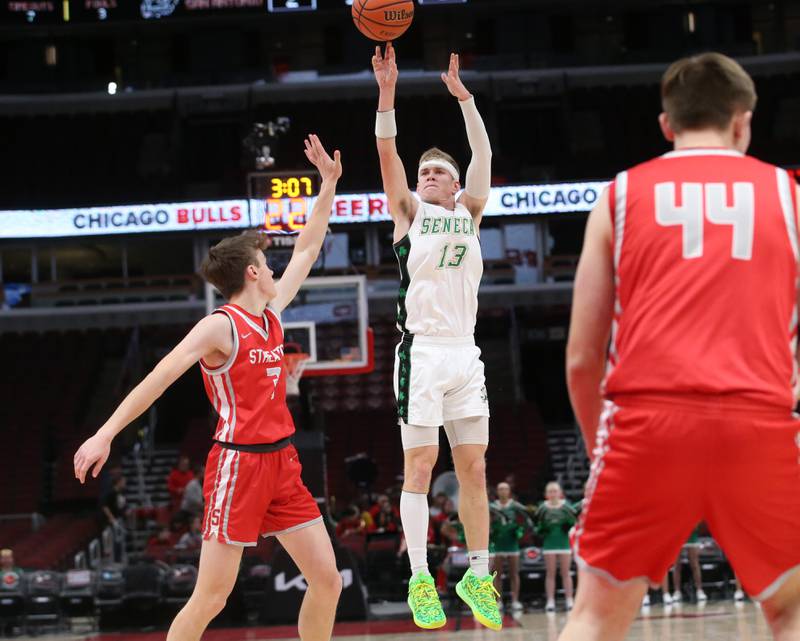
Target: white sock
{"points": [[479, 562], [414, 515]]}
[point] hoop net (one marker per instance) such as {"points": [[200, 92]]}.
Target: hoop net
{"points": [[295, 364]]}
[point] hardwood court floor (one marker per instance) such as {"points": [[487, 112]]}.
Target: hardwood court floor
{"points": [[718, 621]]}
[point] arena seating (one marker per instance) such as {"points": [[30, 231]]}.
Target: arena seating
{"points": [[109, 291], [53, 545], [54, 395]]}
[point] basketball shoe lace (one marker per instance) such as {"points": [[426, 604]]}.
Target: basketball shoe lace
{"points": [[426, 599], [483, 591]]}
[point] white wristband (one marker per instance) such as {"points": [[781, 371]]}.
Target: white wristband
{"points": [[385, 124]]}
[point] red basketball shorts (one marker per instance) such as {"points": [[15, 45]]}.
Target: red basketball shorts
{"points": [[661, 467], [247, 494]]}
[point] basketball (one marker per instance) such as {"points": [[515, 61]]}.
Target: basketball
{"points": [[383, 20]]}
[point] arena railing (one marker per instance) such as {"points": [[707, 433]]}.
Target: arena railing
{"points": [[36, 519]]}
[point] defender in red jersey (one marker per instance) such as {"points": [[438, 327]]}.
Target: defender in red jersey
{"points": [[252, 484], [681, 361]]}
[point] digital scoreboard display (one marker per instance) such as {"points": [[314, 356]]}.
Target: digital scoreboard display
{"points": [[286, 197], [51, 12], [54, 12], [34, 11]]}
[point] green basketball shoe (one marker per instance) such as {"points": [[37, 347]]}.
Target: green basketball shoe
{"points": [[423, 599], [481, 597]]}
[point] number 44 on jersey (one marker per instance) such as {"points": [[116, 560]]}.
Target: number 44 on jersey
{"points": [[709, 201]]}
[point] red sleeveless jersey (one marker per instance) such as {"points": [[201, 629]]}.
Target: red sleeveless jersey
{"points": [[249, 390], [705, 266]]}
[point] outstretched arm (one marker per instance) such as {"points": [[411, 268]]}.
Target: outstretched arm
{"points": [[310, 240], [590, 324], [210, 335], [401, 201], [479, 173]]}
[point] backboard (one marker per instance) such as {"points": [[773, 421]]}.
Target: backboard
{"points": [[328, 320]]}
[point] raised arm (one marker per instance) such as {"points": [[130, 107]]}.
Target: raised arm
{"points": [[309, 242], [210, 335], [590, 324], [479, 173], [401, 201]]}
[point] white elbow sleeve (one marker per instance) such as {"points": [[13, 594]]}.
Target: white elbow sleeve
{"points": [[385, 124], [479, 173]]}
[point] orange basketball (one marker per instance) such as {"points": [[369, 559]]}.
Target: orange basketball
{"points": [[383, 20]]}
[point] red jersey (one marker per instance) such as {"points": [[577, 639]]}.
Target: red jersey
{"points": [[705, 266], [249, 390]]}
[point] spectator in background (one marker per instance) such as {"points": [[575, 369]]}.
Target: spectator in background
{"points": [[192, 500], [452, 531], [363, 506], [107, 479], [692, 547], [193, 539], [160, 545], [383, 504], [351, 522], [114, 506], [376, 506], [10, 574], [444, 512], [438, 515], [554, 518], [437, 505], [178, 479], [507, 526], [387, 518]]}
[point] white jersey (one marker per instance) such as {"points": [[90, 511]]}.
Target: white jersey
{"points": [[440, 272]]}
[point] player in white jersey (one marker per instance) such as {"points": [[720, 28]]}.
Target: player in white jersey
{"points": [[438, 372]]}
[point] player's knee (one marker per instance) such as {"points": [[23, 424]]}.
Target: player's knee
{"points": [[474, 474], [418, 472], [782, 613], [328, 580], [210, 603]]}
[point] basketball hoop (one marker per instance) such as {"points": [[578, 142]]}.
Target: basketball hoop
{"points": [[295, 364]]}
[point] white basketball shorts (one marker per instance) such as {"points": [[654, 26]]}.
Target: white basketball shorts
{"points": [[438, 379]]}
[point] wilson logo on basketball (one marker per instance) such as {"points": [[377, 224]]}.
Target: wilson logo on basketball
{"points": [[397, 15]]}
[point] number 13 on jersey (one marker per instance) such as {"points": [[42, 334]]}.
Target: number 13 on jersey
{"points": [[452, 259], [708, 201]]}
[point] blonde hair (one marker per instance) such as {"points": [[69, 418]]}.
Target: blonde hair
{"points": [[434, 153], [705, 91]]}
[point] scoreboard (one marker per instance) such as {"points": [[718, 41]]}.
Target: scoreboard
{"points": [[53, 12]]}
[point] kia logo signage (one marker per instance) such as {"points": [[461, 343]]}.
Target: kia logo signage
{"points": [[299, 582]]}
